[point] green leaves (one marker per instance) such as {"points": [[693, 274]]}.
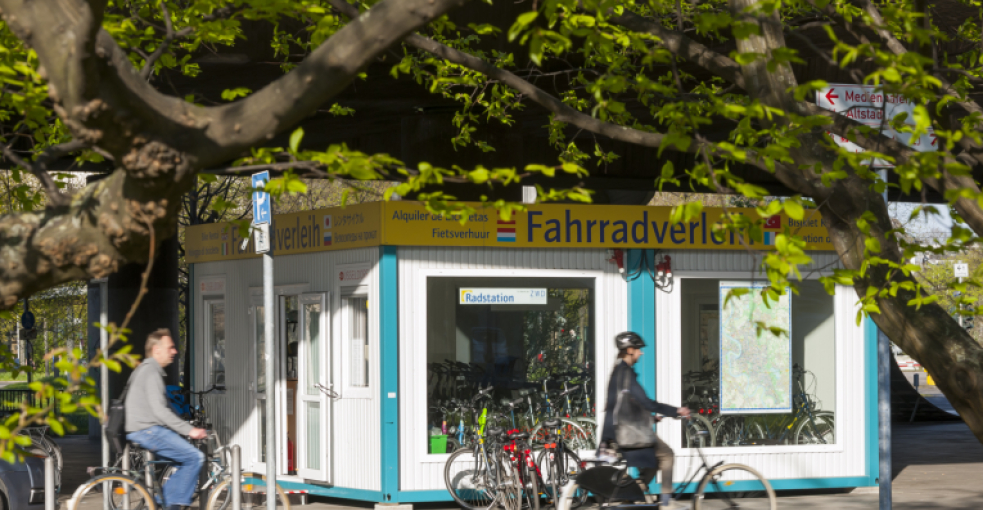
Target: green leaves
{"points": [[232, 94]]}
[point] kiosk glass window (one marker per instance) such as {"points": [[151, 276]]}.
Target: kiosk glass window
{"points": [[526, 337], [751, 389], [358, 331], [216, 341]]}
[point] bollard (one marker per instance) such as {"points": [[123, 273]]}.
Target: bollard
{"points": [[49, 483], [236, 477]]}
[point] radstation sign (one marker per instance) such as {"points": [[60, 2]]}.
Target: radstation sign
{"points": [[875, 108]]}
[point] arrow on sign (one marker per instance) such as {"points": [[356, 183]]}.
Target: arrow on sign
{"points": [[830, 96], [933, 139]]}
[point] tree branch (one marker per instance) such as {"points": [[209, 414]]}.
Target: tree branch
{"points": [[169, 37], [683, 46], [55, 198]]}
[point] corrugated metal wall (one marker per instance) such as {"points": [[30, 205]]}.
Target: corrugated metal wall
{"points": [[355, 431], [418, 469], [740, 260]]}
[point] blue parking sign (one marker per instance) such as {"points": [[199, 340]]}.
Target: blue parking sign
{"points": [[262, 211]]}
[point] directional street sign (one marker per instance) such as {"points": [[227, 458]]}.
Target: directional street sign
{"points": [[960, 270], [874, 108], [262, 211]]}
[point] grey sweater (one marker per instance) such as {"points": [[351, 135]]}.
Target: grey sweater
{"points": [[146, 401]]}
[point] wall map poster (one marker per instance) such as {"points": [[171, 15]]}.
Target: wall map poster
{"points": [[755, 368]]}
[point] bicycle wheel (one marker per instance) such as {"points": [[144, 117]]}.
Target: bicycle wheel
{"points": [[220, 498], [124, 493], [511, 491], [737, 431], [558, 471], [471, 481], [692, 439], [571, 493], [725, 485], [530, 487], [823, 432]]}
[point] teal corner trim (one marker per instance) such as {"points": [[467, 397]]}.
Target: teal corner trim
{"points": [[424, 496], [870, 377], [641, 315], [333, 492], [389, 371]]}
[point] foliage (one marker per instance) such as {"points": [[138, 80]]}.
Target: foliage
{"points": [[713, 81]]}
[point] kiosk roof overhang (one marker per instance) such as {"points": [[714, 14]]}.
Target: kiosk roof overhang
{"points": [[403, 223]]}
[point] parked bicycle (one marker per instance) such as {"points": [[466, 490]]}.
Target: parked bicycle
{"points": [[807, 424]]}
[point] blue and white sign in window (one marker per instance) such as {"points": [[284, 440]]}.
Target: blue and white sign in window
{"points": [[262, 211], [493, 296]]}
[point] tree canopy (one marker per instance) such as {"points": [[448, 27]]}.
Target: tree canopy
{"points": [[715, 91]]}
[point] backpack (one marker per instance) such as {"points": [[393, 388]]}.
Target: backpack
{"points": [[115, 429]]}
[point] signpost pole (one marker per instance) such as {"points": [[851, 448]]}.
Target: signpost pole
{"points": [[262, 216], [104, 375], [884, 404]]}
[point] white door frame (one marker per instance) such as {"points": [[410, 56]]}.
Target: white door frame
{"points": [[306, 398]]}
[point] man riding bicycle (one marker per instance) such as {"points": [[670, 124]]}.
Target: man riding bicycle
{"points": [[152, 424], [647, 460]]}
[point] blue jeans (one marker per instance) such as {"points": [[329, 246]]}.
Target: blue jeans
{"points": [[167, 444]]}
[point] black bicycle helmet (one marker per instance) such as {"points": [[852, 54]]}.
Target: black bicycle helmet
{"points": [[628, 339]]}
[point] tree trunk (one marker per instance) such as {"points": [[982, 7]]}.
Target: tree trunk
{"points": [[927, 333]]}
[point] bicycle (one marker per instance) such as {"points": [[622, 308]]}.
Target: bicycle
{"points": [[805, 425], [129, 489], [558, 465], [612, 485]]}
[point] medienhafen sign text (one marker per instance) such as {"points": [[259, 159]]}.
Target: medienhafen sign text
{"points": [[541, 226]]}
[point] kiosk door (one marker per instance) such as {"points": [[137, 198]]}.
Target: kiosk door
{"points": [[313, 388]]}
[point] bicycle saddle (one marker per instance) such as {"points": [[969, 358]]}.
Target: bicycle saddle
{"points": [[552, 423], [496, 431], [519, 436]]}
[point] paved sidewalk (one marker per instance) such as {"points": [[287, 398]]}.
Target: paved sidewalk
{"points": [[936, 466]]}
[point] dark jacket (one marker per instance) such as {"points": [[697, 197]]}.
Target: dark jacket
{"points": [[620, 371]]}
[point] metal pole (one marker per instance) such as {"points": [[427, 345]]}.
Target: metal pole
{"points": [[126, 471], [884, 417], [959, 307], [884, 401], [148, 469], [236, 477], [268, 335], [49, 483], [104, 375]]}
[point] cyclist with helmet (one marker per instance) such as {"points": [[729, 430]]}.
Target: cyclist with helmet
{"points": [[647, 460]]}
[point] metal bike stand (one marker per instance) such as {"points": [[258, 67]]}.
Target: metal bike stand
{"points": [[236, 477]]}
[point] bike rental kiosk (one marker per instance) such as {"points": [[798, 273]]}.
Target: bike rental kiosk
{"points": [[400, 313]]}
